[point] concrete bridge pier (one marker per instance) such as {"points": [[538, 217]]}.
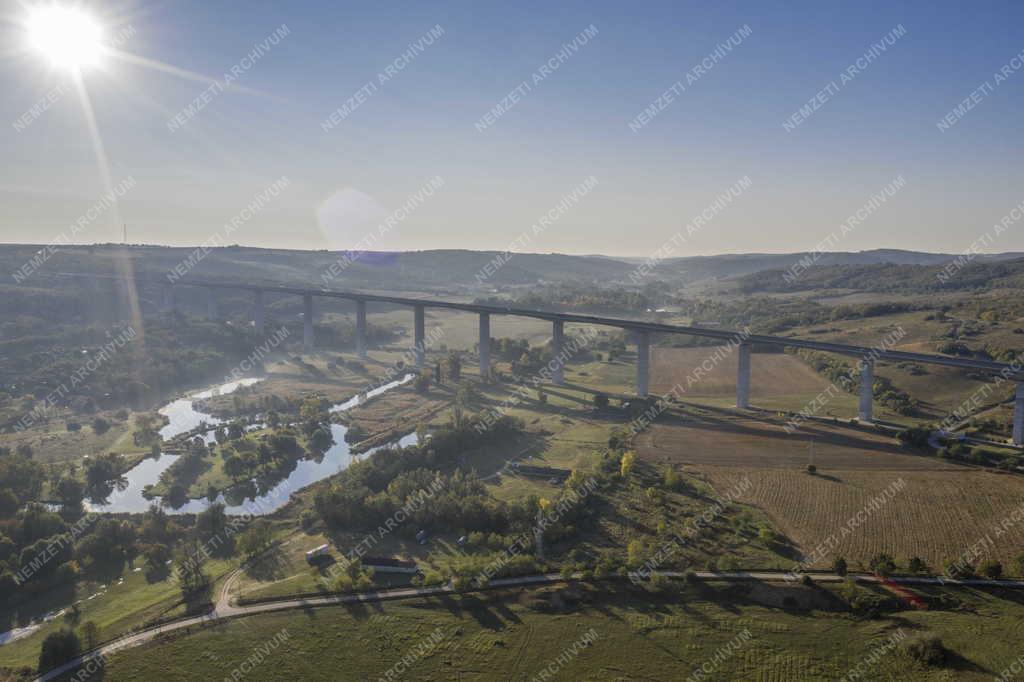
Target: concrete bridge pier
{"points": [[308, 342], [211, 305], [867, 378], [557, 342], [485, 345], [1018, 416], [643, 362], [419, 337], [743, 376], [361, 329], [258, 313]]}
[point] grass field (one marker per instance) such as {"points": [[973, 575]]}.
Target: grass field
{"points": [[116, 609], [52, 442], [777, 380], [618, 635]]}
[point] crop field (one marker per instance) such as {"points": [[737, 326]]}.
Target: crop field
{"points": [[724, 438], [934, 515], [516, 635], [778, 381], [941, 509]]}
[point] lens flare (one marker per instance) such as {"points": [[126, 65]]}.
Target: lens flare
{"points": [[68, 37]]}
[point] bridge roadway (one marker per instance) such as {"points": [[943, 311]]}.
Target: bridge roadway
{"points": [[641, 328]]}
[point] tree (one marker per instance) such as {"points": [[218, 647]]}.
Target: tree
{"points": [[90, 634], [991, 569], [811, 469], [212, 521], [194, 581], [100, 426], [454, 366], [917, 565], [636, 554], [422, 382], [255, 539], [600, 400], [58, 648], [156, 556], [70, 492], [626, 465], [883, 564], [671, 478], [234, 466], [839, 566]]}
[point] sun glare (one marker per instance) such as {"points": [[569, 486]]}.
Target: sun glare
{"points": [[67, 36]]}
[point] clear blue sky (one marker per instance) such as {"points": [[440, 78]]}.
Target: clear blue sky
{"points": [[572, 125]]}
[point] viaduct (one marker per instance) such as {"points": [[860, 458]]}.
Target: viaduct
{"points": [[641, 331]]}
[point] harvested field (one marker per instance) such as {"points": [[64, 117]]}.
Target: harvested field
{"points": [[938, 512], [935, 515], [777, 380], [726, 438]]}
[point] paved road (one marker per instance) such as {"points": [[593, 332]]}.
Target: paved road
{"points": [[224, 609]]}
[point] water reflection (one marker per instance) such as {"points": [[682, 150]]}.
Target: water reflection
{"points": [[259, 496]]}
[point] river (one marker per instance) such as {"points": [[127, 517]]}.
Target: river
{"points": [[183, 416]]}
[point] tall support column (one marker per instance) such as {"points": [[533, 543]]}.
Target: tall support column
{"points": [[867, 379], [308, 342], [361, 329], [211, 305], [643, 362], [1018, 416], [485, 345], [557, 338], [258, 313], [743, 377], [419, 337]]}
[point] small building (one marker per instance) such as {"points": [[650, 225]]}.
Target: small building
{"points": [[317, 552]]}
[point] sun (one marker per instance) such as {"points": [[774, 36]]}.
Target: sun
{"points": [[69, 37]]}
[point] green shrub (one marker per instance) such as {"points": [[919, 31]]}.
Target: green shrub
{"points": [[927, 650], [991, 569]]}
